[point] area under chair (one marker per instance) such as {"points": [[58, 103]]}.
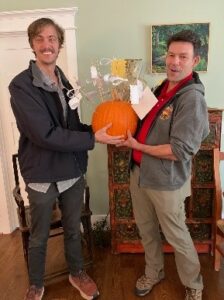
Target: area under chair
{"points": [[56, 228]]}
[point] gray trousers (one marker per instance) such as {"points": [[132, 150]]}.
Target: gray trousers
{"points": [[41, 205], [165, 208]]}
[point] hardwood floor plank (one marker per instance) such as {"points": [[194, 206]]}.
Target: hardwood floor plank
{"points": [[115, 274]]}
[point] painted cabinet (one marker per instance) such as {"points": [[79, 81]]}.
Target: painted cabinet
{"points": [[200, 206]]}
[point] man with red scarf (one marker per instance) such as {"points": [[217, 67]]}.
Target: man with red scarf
{"points": [[168, 137]]}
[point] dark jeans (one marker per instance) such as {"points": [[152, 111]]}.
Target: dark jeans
{"points": [[41, 205]]}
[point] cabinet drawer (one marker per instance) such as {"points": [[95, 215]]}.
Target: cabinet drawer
{"points": [[122, 204], [118, 161], [202, 203], [126, 232], [202, 170], [215, 123], [200, 231]]}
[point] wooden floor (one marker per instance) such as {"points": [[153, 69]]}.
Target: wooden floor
{"points": [[115, 274]]}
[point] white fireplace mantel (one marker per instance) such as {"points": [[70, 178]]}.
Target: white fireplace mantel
{"points": [[15, 21]]}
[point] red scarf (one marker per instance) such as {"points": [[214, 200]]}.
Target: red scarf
{"points": [[163, 98]]}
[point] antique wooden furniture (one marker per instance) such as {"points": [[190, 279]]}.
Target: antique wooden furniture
{"points": [[219, 229], [219, 245], [200, 206], [56, 224]]}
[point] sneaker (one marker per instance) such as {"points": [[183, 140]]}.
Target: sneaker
{"points": [[145, 284], [193, 294], [85, 285], [34, 293]]}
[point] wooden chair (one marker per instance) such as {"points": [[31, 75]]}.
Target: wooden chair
{"points": [[219, 228], [219, 247], [56, 228]]}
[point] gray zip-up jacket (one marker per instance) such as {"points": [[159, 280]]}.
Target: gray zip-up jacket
{"points": [[182, 123]]}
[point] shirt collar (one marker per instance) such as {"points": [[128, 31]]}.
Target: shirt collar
{"points": [[164, 94], [42, 80]]}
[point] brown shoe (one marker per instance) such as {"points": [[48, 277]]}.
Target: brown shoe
{"points": [[145, 284], [34, 293], [193, 294], [86, 286]]}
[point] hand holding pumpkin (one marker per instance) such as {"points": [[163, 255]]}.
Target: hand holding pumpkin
{"points": [[101, 136], [129, 142]]}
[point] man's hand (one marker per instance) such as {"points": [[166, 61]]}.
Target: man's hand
{"points": [[158, 151], [101, 136], [130, 142]]}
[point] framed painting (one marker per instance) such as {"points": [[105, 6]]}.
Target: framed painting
{"points": [[160, 35]]}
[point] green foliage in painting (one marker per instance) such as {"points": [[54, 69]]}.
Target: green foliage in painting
{"points": [[160, 35]]}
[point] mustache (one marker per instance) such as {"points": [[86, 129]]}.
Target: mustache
{"points": [[47, 50]]}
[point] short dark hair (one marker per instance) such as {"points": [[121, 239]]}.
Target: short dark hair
{"points": [[186, 36], [36, 26]]}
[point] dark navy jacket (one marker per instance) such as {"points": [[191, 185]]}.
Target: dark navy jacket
{"points": [[50, 150]]}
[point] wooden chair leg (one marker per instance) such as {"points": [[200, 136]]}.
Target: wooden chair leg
{"points": [[217, 260], [219, 244], [88, 237], [25, 240]]}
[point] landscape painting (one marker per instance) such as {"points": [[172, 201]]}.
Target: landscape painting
{"points": [[160, 35]]}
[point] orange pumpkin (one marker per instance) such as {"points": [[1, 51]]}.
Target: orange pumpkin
{"points": [[119, 113]]}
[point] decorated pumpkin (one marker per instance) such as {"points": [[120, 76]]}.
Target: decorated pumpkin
{"points": [[119, 113]]}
